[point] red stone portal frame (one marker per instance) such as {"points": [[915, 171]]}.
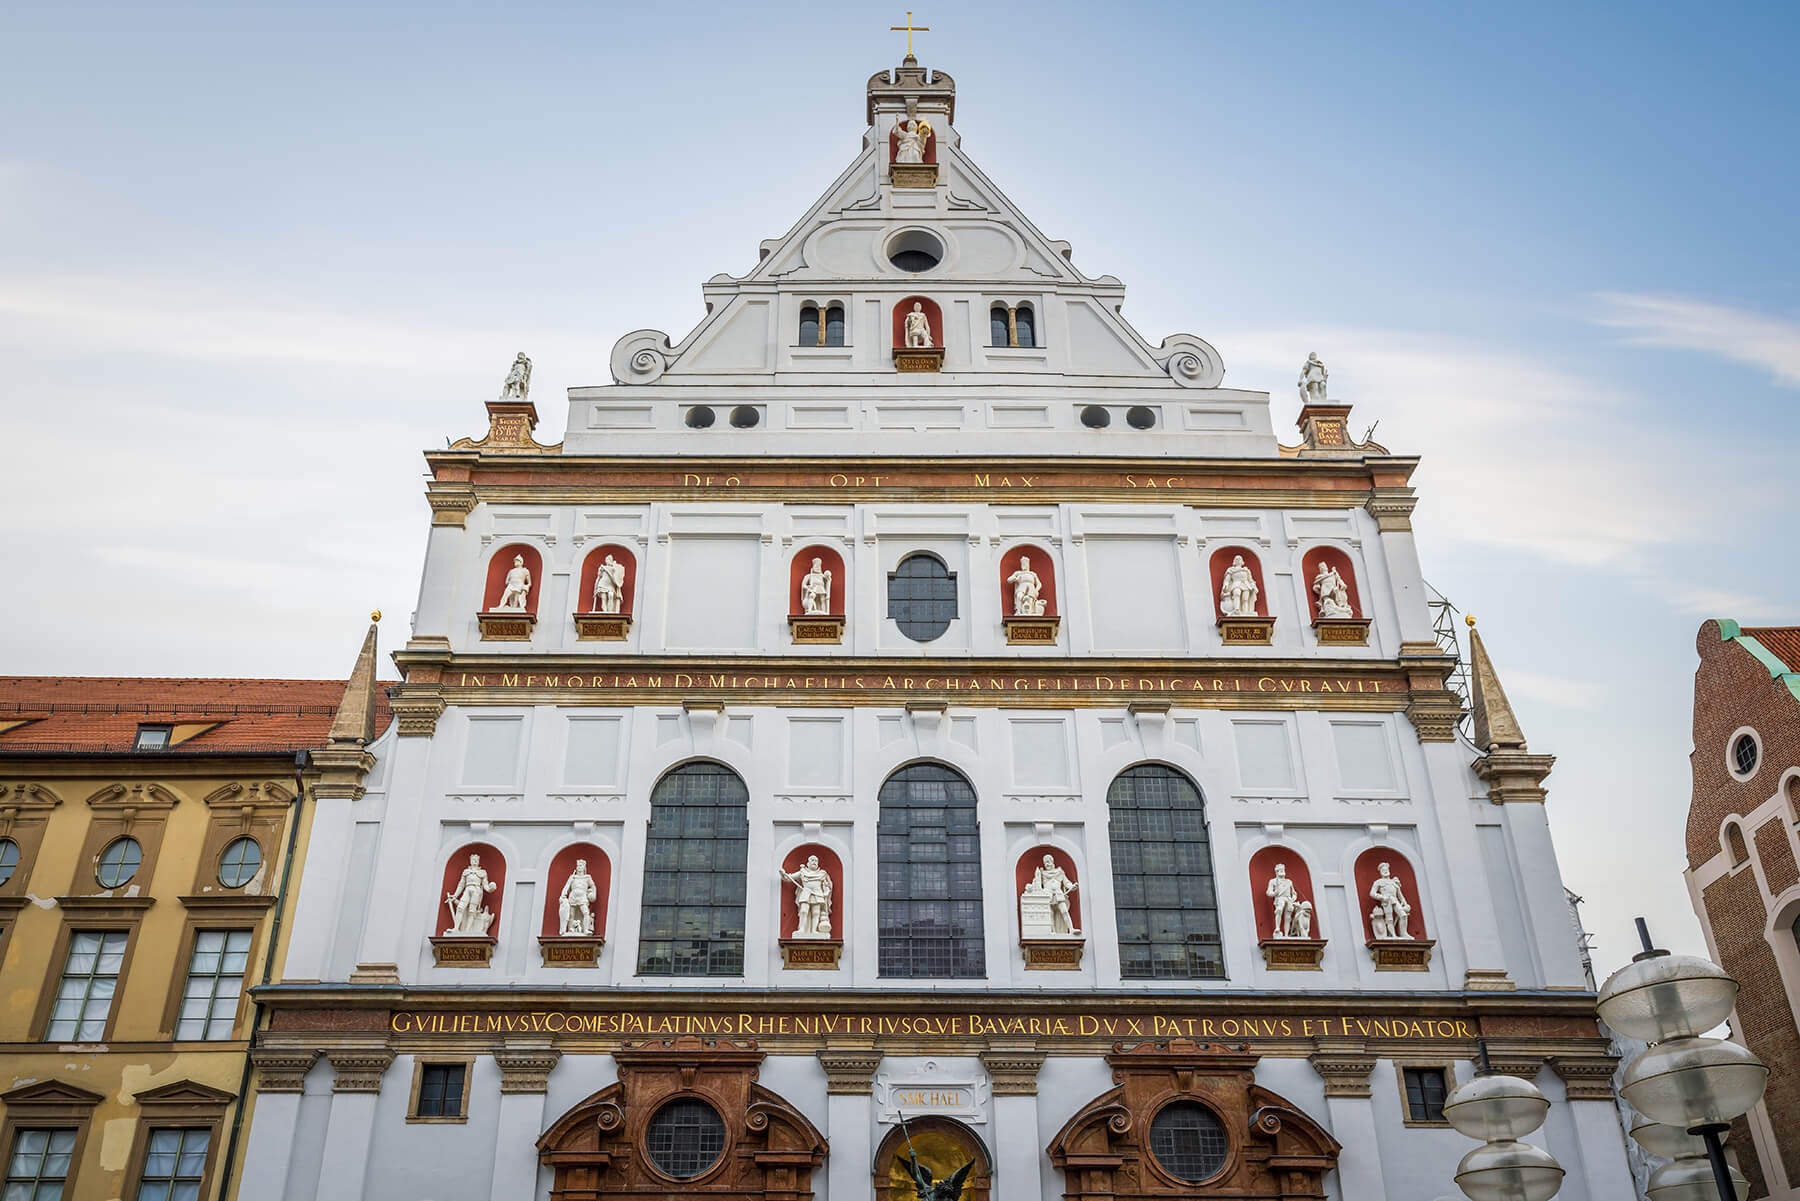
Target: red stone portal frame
{"points": [[575, 950], [1396, 954], [1022, 630], [469, 950], [1341, 631], [590, 624], [919, 359], [510, 625], [1062, 953], [597, 1153], [1242, 631], [1276, 1150], [817, 628], [812, 954], [1284, 954]]}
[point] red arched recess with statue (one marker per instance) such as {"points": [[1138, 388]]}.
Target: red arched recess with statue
{"points": [[561, 868], [1368, 870], [590, 571], [502, 563], [834, 867], [801, 565], [1309, 567], [934, 317], [493, 863], [1262, 870], [1221, 560], [1027, 866], [930, 154], [1041, 563]]}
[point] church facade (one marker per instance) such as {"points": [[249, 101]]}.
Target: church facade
{"points": [[915, 737]]}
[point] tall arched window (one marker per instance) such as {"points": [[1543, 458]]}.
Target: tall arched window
{"points": [[809, 326], [1163, 877], [999, 329], [929, 875], [834, 325], [1025, 325], [922, 596], [694, 861]]}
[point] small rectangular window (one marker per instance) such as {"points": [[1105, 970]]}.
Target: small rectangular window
{"points": [[152, 738], [90, 977], [441, 1090], [215, 978], [1425, 1090], [174, 1165], [38, 1165]]}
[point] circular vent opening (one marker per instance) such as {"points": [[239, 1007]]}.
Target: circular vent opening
{"points": [[745, 416], [1095, 417], [1140, 417], [700, 417], [915, 251]]}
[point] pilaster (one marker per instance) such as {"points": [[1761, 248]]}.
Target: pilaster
{"points": [[849, 1089], [1345, 1065], [350, 1127], [1020, 1157], [524, 1080]]}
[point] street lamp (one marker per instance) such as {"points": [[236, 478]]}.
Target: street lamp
{"points": [[1684, 1079], [1501, 1110]]}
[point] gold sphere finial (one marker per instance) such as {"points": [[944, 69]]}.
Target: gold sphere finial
{"points": [[1470, 618], [375, 615]]}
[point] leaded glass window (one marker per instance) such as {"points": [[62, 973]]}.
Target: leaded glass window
{"points": [[38, 1167], [1425, 1090], [685, 1138], [1026, 325], [928, 867], [215, 978], [998, 333], [174, 1165], [90, 977], [834, 325], [922, 597], [1189, 1141], [1163, 889], [694, 864], [809, 326]]}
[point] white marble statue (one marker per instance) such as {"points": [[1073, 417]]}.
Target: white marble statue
{"points": [[918, 328], [1044, 908], [812, 897], [1391, 905], [575, 908], [815, 590], [910, 144], [468, 913], [1303, 920], [518, 585], [518, 380], [1312, 381], [609, 586], [1380, 924], [1286, 899], [1028, 590], [1237, 592], [1333, 593]]}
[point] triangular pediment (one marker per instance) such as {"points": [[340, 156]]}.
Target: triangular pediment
{"points": [[185, 1092], [50, 1092]]}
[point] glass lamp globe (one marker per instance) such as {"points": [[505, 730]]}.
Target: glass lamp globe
{"points": [[1509, 1171], [1669, 996], [1691, 1179], [1689, 1082], [1666, 1142], [1496, 1107]]}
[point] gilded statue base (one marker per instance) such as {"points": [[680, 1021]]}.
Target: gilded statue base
{"points": [[1031, 631], [816, 628], [1342, 631], [463, 950], [918, 358], [1247, 631], [1052, 954], [506, 625], [811, 954], [914, 175], [1402, 954], [571, 950], [602, 627], [1293, 954]]}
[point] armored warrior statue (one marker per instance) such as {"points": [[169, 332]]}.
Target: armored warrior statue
{"points": [[1333, 593], [918, 328], [1028, 598], [815, 590], [1394, 910], [518, 380], [575, 908], [812, 897], [518, 585], [1237, 592], [1312, 381], [467, 912], [609, 586]]}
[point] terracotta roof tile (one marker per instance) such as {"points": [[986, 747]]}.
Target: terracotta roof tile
{"points": [[102, 713], [1781, 641]]}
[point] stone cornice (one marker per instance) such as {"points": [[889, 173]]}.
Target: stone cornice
{"points": [[282, 1069], [850, 1071], [358, 1070], [526, 1069], [1014, 1070], [1344, 1065], [1514, 777], [1586, 1077]]}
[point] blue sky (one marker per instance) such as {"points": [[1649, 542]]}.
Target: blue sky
{"points": [[256, 258]]}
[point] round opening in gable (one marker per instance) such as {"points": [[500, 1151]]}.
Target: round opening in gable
{"points": [[1140, 417], [700, 417], [1095, 417], [744, 416], [915, 250]]}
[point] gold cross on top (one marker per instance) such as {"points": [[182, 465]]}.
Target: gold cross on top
{"points": [[910, 29]]}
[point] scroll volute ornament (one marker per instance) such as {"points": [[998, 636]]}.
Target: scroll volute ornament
{"points": [[1275, 1150], [597, 1149]]}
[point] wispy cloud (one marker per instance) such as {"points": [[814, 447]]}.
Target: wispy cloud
{"points": [[1562, 691], [1676, 323], [1722, 602]]}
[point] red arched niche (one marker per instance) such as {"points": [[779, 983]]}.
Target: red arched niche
{"points": [[492, 862], [930, 154], [1033, 859], [1368, 870], [934, 317], [1221, 560], [834, 867], [561, 868], [590, 571], [1041, 563], [1309, 567], [1262, 870], [831, 561], [502, 563]]}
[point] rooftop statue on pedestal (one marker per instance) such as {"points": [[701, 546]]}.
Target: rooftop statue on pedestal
{"points": [[518, 380], [1312, 381]]}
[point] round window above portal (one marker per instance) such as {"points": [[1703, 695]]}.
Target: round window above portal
{"points": [[686, 1138], [915, 250], [1189, 1142]]}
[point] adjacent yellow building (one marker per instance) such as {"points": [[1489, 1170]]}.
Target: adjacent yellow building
{"points": [[152, 833]]}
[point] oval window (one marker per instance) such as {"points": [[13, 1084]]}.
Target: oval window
{"points": [[119, 862], [9, 859], [915, 251], [1140, 417], [1744, 755], [1189, 1142], [1095, 417], [700, 417], [745, 417], [685, 1138], [240, 862]]}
